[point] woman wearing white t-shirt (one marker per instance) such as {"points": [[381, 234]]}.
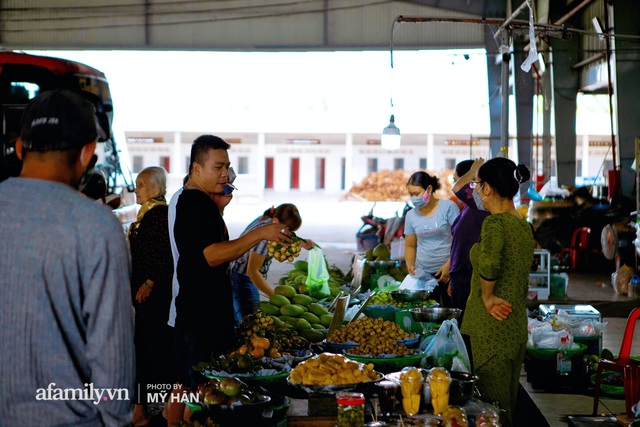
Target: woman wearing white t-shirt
{"points": [[427, 232]]}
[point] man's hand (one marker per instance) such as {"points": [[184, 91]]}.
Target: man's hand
{"points": [[276, 232], [143, 293]]}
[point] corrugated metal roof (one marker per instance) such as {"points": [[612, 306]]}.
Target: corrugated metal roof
{"points": [[227, 25]]}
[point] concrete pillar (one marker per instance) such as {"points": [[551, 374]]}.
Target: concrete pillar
{"points": [[348, 161], [585, 155], [565, 90], [626, 71], [525, 90], [261, 154], [431, 152], [493, 89], [177, 161]]}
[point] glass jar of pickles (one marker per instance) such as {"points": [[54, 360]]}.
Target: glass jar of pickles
{"points": [[350, 409]]}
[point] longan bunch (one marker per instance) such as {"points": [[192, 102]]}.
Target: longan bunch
{"points": [[281, 253], [365, 328], [255, 324], [377, 345]]}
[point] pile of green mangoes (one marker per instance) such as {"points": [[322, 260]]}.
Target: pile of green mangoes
{"points": [[299, 311], [297, 278]]}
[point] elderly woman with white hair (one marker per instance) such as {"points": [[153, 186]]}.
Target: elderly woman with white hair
{"points": [[151, 279]]}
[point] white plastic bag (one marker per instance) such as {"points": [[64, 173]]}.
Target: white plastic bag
{"points": [[447, 349]]}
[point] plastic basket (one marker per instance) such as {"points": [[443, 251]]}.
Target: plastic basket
{"points": [[389, 364], [608, 389], [552, 353]]}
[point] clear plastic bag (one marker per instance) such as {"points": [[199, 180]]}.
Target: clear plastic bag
{"points": [[318, 275], [447, 349]]}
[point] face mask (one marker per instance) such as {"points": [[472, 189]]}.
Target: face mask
{"points": [[478, 200], [421, 201]]}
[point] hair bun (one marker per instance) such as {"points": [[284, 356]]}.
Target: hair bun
{"points": [[521, 173]]}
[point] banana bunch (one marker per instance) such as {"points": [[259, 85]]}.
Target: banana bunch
{"points": [[281, 253], [411, 388], [439, 382]]}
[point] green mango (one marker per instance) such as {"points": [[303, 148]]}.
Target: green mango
{"points": [[279, 300], [291, 310], [277, 322], [317, 309], [302, 325], [267, 308], [325, 320], [310, 317], [312, 335], [285, 290], [302, 299]]}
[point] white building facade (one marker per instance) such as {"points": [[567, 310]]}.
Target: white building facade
{"points": [[332, 162]]}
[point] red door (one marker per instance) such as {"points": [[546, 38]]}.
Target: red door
{"points": [[268, 178], [295, 173], [320, 164], [166, 163]]}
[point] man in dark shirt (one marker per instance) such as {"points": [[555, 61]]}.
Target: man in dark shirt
{"points": [[204, 305]]}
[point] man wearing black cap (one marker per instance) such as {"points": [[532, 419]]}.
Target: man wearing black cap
{"points": [[66, 327]]}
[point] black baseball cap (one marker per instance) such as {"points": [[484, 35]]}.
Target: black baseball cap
{"points": [[59, 120]]}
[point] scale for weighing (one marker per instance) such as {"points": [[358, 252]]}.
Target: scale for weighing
{"points": [[579, 312], [381, 269]]}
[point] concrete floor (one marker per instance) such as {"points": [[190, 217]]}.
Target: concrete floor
{"points": [[333, 223]]}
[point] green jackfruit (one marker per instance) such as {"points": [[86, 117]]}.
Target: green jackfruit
{"points": [[301, 265], [382, 252], [369, 255]]}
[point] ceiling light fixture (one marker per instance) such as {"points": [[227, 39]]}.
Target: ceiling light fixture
{"points": [[390, 138]]}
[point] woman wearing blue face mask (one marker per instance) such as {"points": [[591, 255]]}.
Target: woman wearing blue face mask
{"points": [[427, 232], [465, 231]]}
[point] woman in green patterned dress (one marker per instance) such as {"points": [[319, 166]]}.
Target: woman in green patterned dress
{"points": [[496, 317]]}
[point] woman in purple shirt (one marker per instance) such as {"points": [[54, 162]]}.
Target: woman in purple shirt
{"points": [[465, 231]]}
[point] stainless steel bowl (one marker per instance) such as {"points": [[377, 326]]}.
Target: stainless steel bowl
{"points": [[434, 314], [382, 263], [408, 295]]}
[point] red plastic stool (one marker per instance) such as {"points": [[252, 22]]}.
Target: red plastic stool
{"points": [[623, 364]]}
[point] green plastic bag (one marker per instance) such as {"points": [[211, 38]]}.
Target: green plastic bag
{"points": [[318, 275]]}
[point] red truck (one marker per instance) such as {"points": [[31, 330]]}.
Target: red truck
{"points": [[23, 76]]}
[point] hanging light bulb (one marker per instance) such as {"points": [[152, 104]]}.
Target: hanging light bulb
{"points": [[390, 138]]}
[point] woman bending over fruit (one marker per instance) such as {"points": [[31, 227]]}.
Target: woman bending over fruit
{"points": [[249, 272]]}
